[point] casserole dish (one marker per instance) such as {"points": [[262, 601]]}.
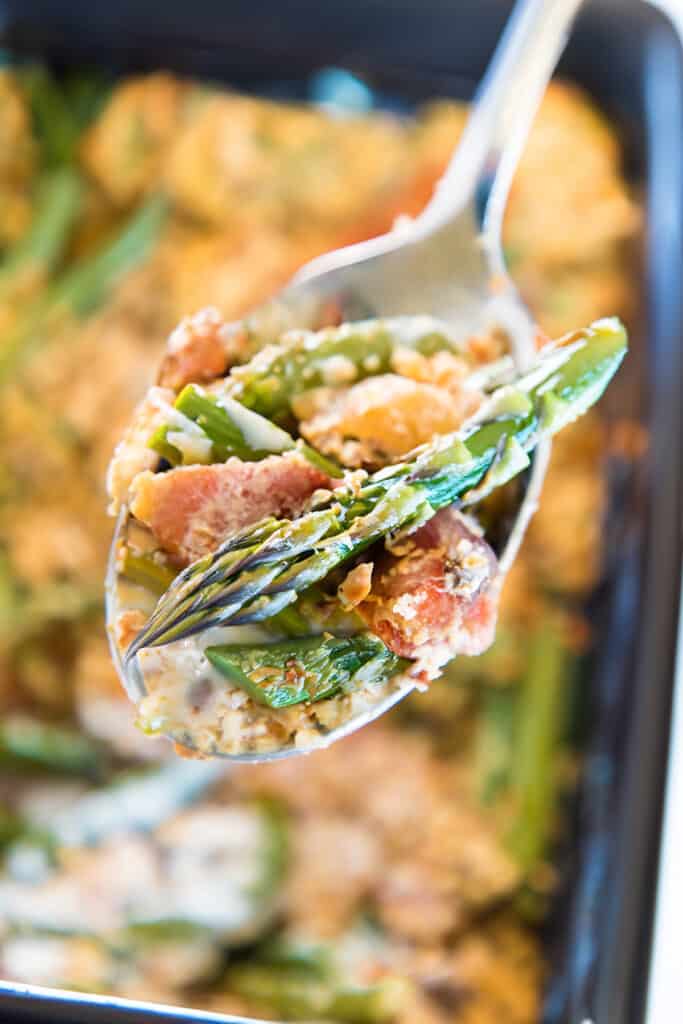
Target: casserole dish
{"points": [[601, 924]]}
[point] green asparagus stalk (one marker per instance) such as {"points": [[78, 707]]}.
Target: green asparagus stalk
{"points": [[87, 285], [260, 570], [84, 287], [533, 777], [305, 669], [370, 1004], [11, 826], [53, 123], [157, 931], [276, 858], [232, 430], [333, 356], [294, 996], [9, 600], [57, 207], [60, 110], [269, 382], [86, 93], [290, 622], [146, 571], [26, 742], [495, 741], [312, 959]]}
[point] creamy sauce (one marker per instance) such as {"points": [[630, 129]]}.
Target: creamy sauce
{"points": [[188, 700]]}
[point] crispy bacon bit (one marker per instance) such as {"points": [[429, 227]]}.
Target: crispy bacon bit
{"points": [[191, 509], [435, 596], [356, 587], [198, 350]]}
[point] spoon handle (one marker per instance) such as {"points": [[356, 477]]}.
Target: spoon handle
{"points": [[484, 162]]}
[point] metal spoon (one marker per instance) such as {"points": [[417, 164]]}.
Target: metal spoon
{"points": [[448, 262]]}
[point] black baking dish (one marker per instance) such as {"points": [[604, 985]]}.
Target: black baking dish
{"points": [[628, 56]]}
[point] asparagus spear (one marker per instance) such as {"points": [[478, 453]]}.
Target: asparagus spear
{"points": [[495, 741], [57, 207], [533, 770], [269, 382], [26, 742], [293, 995], [283, 951], [333, 355], [60, 110], [260, 570], [86, 93], [370, 1004], [145, 570], [290, 622], [11, 826], [232, 430], [304, 669], [53, 122], [82, 288], [86, 286]]}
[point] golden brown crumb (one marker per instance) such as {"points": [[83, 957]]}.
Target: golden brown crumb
{"points": [[128, 625], [356, 586], [187, 753], [126, 147], [197, 350], [384, 417], [132, 454], [442, 369], [485, 348]]}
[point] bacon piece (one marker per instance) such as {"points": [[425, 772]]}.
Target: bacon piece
{"points": [[435, 594], [192, 509]]}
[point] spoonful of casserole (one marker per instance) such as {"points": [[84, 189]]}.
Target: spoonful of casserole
{"points": [[310, 573], [317, 506]]}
